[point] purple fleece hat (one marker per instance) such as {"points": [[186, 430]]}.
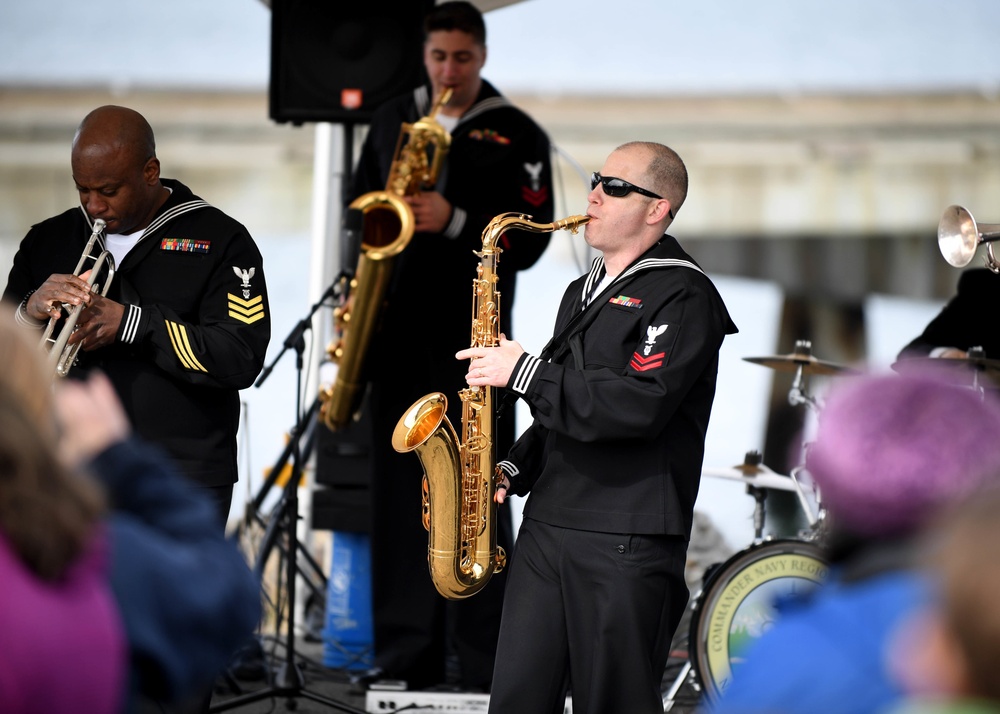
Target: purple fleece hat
{"points": [[891, 450]]}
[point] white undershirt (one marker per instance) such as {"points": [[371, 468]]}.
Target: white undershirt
{"points": [[605, 282], [120, 245], [449, 123]]}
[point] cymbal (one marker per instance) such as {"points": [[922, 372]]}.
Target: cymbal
{"points": [[808, 363], [759, 476], [961, 369]]}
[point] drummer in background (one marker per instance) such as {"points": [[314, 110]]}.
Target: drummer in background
{"points": [[890, 453], [960, 324]]}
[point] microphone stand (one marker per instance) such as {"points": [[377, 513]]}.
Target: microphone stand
{"points": [[289, 681], [304, 426]]}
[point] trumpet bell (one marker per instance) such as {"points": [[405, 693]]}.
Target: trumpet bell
{"points": [[958, 236]]}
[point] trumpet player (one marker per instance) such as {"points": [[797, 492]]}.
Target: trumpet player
{"points": [[960, 325], [611, 463], [186, 321], [498, 161]]}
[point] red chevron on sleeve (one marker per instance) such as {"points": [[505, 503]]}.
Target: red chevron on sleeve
{"points": [[535, 198], [643, 364]]}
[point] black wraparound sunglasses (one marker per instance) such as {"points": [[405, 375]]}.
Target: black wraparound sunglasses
{"points": [[619, 188]]}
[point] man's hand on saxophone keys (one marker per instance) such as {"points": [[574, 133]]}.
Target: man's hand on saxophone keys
{"points": [[491, 366], [431, 211]]}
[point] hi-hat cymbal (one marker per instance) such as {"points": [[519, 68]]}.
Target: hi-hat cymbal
{"points": [[808, 363]]}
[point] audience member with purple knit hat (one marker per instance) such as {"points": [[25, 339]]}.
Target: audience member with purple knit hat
{"points": [[890, 453]]}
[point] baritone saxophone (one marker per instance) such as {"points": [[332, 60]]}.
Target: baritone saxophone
{"points": [[387, 228], [460, 475]]}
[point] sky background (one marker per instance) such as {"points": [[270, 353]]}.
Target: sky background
{"points": [[545, 46]]}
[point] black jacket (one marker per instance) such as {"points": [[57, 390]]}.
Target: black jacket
{"points": [[620, 413], [195, 329], [965, 321]]}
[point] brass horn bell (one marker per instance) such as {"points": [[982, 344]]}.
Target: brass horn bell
{"points": [[959, 236]]}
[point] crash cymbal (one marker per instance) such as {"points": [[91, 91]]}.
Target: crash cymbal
{"points": [[808, 363]]}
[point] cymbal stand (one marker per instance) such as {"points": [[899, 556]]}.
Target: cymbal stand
{"points": [[817, 516], [977, 353], [799, 394], [759, 496]]}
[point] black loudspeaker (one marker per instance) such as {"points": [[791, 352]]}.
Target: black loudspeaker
{"points": [[338, 62]]}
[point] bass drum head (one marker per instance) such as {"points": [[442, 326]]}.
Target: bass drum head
{"points": [[736, 604]]}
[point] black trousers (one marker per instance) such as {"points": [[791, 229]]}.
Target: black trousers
{"points": [[592, 611]]}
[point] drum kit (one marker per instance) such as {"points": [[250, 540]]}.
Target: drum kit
{"points": [[973, 369], [736, 601]]}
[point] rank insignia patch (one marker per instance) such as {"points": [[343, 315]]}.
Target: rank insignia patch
{"points": [[642, 364], [248, 311], [535, 198], [245, 276], [644, 361], [626, 301], [535, 193], [186, 245]]}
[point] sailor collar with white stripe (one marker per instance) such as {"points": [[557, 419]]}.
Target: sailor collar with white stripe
{"points": [[422, 99], [597, 272], [164, 218]]}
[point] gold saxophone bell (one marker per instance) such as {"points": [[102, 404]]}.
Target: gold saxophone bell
{"points": [[62, 355], [460, 475], [387, 228]]}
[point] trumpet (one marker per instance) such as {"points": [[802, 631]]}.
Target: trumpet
{"points": [[959, 236], [62, 355]]}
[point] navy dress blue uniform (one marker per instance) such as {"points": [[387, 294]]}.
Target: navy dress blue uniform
{"points": [[195, 329], [611, 465]]}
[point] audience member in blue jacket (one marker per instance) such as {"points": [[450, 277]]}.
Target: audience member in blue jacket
{"points": [[186, 595], [890, 453]]}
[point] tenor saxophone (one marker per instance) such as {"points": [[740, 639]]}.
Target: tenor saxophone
{"points": [[387, 230], [460, 476]]}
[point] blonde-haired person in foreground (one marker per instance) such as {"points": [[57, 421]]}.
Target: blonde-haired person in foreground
{"points": [[63, 642], [184, 597]]}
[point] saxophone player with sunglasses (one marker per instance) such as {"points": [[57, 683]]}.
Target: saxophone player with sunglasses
{"points": [[621, 399]]}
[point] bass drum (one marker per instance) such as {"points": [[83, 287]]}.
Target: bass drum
{"points": [[736, 605]]}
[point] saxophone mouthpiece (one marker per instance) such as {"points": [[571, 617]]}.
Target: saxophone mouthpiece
{"points": [[572, 223]]}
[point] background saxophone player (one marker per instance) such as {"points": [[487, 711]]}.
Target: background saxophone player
{"points": [[499, 161]]}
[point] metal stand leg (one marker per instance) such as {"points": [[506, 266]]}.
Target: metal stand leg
{"points": [[671, 695]]}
